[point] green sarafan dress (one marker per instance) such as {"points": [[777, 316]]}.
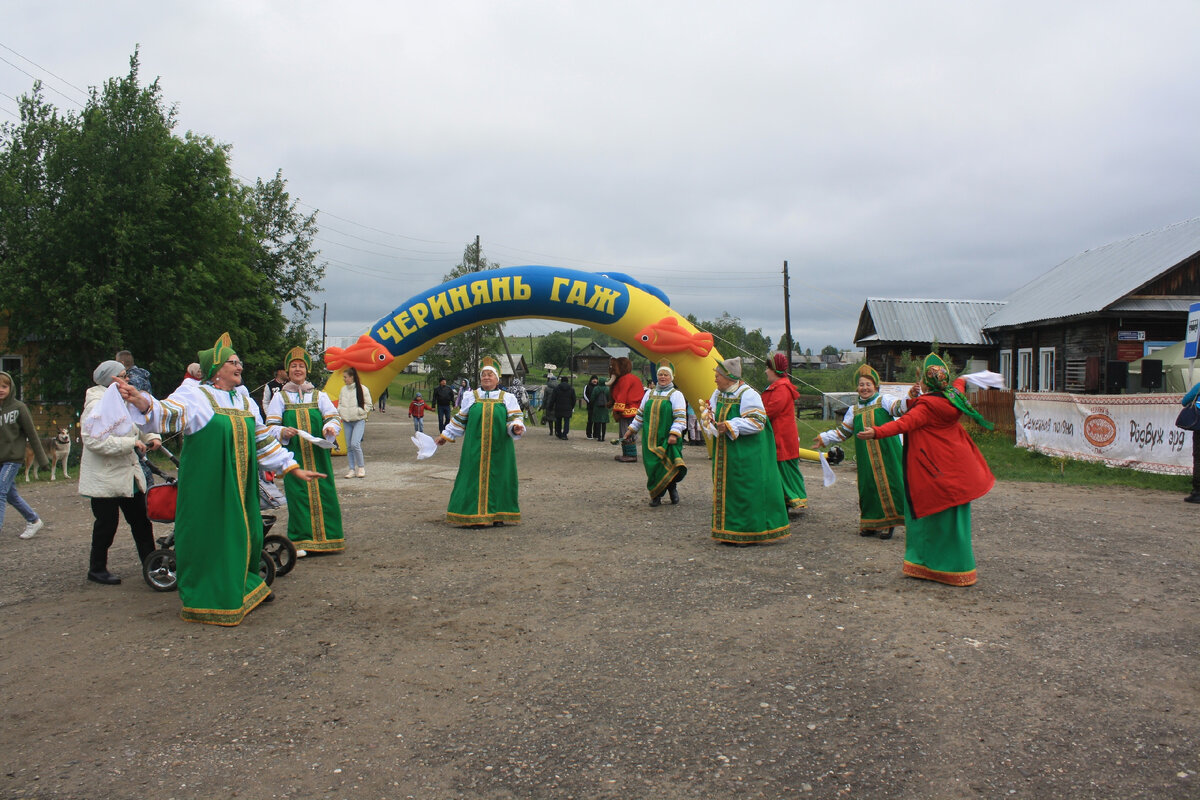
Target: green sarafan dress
{"points": [[663, 462], [880, 470], [879, 462], [218, 540], [485, 488], [314, 514], [748, 504]]}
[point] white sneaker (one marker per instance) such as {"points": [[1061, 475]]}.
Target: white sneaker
{"points": [[32, 528], [349, 474], [361, 472], [301, 553]]}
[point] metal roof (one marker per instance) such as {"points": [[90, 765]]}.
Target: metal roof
{"points": [[1096, 279], [951, 322], [1130, 304]]}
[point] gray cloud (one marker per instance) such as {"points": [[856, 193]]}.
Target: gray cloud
{"points": [[925, 149]]}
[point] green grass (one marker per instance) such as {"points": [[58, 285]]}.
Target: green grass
{"points": [[1011, 463]]}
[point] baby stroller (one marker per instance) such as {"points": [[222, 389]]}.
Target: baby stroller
{"points": [[158, 570]]}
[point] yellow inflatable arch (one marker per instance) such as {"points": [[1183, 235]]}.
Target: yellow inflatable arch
{"points": [[636, 314]]}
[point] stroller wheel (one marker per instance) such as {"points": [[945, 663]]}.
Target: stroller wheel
{"points": [[266, 567], [282, 552], [159, 570]]}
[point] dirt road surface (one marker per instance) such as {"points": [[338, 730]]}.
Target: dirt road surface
{"points": [[604, 649]]}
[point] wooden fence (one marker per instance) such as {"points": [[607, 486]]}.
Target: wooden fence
{"points": [[996, 406]]}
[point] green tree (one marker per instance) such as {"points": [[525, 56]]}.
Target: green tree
{"points": [[117, 233], [829, 350], [464, 350], [555, 348]]}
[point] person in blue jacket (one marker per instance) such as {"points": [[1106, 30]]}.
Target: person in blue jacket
{"points": [[1194, 497]]}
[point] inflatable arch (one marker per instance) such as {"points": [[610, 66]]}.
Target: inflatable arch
{"points": [[636, 314]]}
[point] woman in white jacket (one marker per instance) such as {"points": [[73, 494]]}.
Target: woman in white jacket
{"points": [[111, 476], [354, 405]]}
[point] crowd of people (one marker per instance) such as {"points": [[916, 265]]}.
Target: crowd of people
{"points": [[916, 465]]}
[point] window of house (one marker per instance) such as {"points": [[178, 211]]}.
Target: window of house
{"points": [[1006, 368], [1024, 382], [1046, 369]]}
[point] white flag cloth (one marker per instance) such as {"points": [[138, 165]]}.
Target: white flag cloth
{"points": [[426, 446], [827, 471], [985, 379], [324, 444], [109, 417]]}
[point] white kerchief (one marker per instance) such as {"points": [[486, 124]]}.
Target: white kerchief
{"points": [[109, 417]]}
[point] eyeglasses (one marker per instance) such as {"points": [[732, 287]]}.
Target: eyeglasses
{"points": [[234, 361]]}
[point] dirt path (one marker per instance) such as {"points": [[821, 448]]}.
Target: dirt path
{"points": [[603, 649]]}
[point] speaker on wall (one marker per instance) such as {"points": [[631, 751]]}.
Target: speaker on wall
{"points": [[1152, 376], [1117, 377]]}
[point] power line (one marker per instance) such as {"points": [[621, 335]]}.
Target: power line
{"points": [[43, 69], [48, 86]]}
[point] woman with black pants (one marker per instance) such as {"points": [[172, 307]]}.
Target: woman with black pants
{"points": [[111, 476]]}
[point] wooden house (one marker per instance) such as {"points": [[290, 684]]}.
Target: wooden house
{"points": [[592, 359], [887, 328], [1078, 326]]}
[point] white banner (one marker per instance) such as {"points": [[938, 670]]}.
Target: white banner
{"points": [[1128, 430]]}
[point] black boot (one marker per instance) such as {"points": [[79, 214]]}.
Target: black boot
{"points": [[674, 494], [656, 501], [103, 576]]}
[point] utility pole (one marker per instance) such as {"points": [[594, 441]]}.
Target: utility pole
{"points": [[324, 316], [499, 328], [475, 355], [787, 317]]}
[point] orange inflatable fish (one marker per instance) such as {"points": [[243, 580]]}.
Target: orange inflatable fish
{"points": [[668, 336], [365, 355]]}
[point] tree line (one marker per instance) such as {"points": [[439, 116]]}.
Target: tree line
{"points": [[118, 233]]}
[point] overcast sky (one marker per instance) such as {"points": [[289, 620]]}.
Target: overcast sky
{"points": [[899, 149]]}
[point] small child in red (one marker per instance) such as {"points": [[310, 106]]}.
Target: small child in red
{"points": [[416, 412]]}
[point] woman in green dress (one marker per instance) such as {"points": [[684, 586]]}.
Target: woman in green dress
{"points": [[218, 527], [488, 422], [748, 505], [661, 417], [880, 472], [314, 513]]}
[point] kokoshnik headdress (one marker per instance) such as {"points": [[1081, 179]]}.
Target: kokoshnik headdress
{"points": [[212, 359], [935, 377]]}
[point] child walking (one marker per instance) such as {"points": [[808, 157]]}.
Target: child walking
{"points": [[416, 412], [16, 428]]}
